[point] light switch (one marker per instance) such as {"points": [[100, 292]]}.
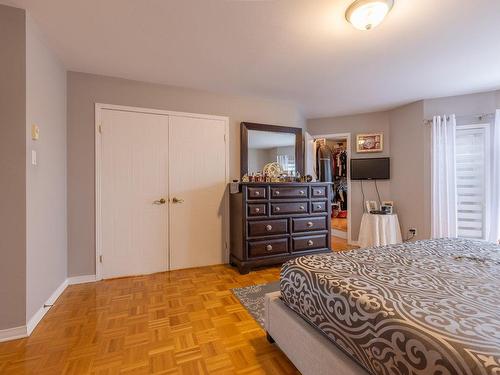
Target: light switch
{"points": [[33, 157], [35, 132]]}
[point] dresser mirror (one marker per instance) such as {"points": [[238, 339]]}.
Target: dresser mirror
{"points": [[262, 144]]}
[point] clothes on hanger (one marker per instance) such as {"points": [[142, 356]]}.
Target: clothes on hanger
{"points": [[324, 163], [340, 193], [339, 162], [331, 166]]}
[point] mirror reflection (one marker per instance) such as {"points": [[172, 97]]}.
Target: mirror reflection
{"points": [[266, 147]]}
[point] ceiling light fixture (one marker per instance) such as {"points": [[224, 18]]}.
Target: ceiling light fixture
{"points": [[367, 14]]}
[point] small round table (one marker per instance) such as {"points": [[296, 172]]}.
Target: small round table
{"points": [[379, 230]]}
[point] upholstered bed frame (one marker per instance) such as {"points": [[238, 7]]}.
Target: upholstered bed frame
{"points": [[310, 351]]}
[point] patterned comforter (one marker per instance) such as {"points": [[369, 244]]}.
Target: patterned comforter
{"points": [[429, 307]]}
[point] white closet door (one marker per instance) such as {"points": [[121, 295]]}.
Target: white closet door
{"points": [[197, 158], [134, 174]]}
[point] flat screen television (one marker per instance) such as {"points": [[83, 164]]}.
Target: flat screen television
{"points": [[371, 169]]}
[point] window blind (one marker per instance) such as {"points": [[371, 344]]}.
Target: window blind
{"points": [[472, 169]]}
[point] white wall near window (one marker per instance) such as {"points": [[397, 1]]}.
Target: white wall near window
{"points": [[473, 161]]}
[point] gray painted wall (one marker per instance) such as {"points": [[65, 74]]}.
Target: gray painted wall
{"points": [[408, 143], [85, 89], [46, 259], [12, 167], [410, 168], [377, 122], [484, 102]]}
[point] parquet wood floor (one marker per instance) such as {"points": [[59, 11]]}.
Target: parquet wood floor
{"points": [[339, 224], [179, 322], [340, 244]]}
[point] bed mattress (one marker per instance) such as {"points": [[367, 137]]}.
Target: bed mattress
{"points": [[429, 307]]}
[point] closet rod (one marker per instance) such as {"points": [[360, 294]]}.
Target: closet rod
{"points": [[479, 117]]}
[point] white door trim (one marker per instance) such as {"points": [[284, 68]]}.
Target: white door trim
{"points": [[99, 107], [349, 187]]}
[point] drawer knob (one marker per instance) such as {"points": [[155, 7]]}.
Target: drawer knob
{"points": [[318, 192], [276, 193], [257, 209], [318, 207], [277, 209], [257, 193], [269, 248], [302, 192], [302, 208], [310, 243], [269, 228], [310, 224]]}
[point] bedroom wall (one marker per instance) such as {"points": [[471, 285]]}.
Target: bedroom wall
{"points": [[463, 105], [411, 152], [356, 124], [410, 168], [46, 259], [12, 167], [86, 89]]}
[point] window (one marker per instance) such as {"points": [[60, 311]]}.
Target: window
{"points": [[287, 162], [473, 159]]}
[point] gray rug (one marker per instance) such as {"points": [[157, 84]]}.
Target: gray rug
{"points": [[252, 297]]}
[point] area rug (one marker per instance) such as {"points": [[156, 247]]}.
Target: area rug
{"points": [[252, 297]]}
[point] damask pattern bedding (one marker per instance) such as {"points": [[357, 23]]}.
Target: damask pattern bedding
{"points": [[429, 307]]}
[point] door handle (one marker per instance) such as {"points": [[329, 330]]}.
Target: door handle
{"points": [[160, 201], [177, 200]]}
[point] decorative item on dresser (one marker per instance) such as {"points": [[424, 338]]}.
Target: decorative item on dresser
{"points": [[274, 222]]}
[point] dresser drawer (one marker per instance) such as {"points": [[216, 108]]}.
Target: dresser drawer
{"points": [[289, 208], [289, 192], [268, 247], [318, 191], [318, 207], [257, 209], [267, 227], [307, 224], [257, 192], [310, 242]]}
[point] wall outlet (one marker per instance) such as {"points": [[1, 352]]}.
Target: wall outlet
{"points": [[412, 231]]}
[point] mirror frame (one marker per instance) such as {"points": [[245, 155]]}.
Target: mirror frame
{"points": [[246, 126]]}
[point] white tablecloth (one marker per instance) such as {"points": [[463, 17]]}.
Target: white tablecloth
{"points": [[379, 230]]}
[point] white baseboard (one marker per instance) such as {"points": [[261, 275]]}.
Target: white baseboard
{"points": [[353, 243], [24, 331], [13, 333], [81, 279], [35, 319], [339, 234]]}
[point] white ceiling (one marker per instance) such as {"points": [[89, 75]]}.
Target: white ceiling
{"points": [[262, 139], [298, 50]]}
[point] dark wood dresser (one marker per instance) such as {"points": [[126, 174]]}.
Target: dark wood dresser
{"points": [[274, 222]]}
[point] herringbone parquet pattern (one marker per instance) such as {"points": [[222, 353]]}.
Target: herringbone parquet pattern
{"points": [[179, 322]]}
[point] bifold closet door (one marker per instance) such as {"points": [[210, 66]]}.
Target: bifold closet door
{"points": [[134, 193], [197, 159]]}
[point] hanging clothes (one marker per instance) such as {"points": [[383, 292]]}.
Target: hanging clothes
{"points": [[343, 164], [324, 163], [340, 193], [339, 163], [339, 171]]}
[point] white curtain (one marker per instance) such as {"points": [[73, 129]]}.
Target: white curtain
{"points": [[494, 224], [444, 187]]}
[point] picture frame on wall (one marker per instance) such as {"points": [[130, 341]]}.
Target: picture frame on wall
{"points": [[373, 142]]}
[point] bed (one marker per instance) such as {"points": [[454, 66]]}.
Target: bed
{"points": [[429, 307]]}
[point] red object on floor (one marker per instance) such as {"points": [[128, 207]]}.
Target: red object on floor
{"points": [[342, 214]]}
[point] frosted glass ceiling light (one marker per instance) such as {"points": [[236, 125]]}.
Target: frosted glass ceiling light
{"points": [[367, 14]]}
